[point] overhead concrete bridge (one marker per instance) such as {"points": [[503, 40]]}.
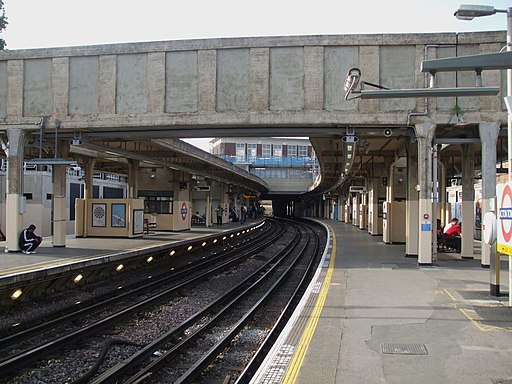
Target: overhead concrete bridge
{"points": [[129, 96]]}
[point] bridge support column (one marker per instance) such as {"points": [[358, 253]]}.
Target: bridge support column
{"points": [[468, 200], [59, 173], [89, 163], [133, 178], [425, 133], [387, 220], [59, 176], [489, 137], [14, 201], [89, 177], [412, 206]]}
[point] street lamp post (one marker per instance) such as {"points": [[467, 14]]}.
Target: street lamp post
{"points": [[468, 12]]}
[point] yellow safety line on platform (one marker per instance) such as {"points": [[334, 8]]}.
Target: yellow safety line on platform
{"points": [[60, 262], [472, 316], [300, 352]]}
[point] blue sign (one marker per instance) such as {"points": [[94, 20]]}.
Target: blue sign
{"points": [[426, 227], [506, 213]]}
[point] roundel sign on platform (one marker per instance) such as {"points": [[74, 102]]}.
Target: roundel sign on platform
{"points": [[184, 211], [504, 214]]}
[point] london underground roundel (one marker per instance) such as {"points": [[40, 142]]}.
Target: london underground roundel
{"points": [[184, 211]]}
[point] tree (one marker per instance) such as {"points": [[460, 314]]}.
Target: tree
{"points": [[3, 23]]}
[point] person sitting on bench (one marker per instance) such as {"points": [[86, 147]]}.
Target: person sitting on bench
{"points": [[28, 240], [452, 234]]}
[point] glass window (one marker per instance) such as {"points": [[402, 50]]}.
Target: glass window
{"points": [[266, 150], [278, 150], [240, 150], [251, 150], [303, 150], [292, 150]]}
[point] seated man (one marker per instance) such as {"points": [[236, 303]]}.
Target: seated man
{"points": [[28, 240], [452, 234]]}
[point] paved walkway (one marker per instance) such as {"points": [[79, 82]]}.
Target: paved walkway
{"points": [[374, 316]]}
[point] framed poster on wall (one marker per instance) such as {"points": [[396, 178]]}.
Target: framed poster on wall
{"points": [[99, 215], [138, 221], [118, 217]]}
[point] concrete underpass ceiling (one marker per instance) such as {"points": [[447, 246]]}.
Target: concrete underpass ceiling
{"points": [[373, 152], [113, 155]]}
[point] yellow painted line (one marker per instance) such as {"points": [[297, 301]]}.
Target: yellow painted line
{"points": [[471, 316], [297, 360], [60, 262]]}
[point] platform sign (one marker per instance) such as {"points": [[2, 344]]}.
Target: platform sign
{"points": [[504, 214]]}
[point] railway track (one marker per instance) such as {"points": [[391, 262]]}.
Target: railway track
{"points": [[251, 276]]}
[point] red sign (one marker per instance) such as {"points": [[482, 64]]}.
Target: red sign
{"points": [[184, 211]]}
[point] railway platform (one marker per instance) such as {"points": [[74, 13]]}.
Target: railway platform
{"points": [[371, 315], [84, 252]]}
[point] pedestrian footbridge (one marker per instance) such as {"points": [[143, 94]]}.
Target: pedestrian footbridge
{"points": [[126, 103]]}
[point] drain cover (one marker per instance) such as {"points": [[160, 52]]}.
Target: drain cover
{"points": [[404, 349]]}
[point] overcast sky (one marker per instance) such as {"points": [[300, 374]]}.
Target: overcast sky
{"points": [[55, 23]]}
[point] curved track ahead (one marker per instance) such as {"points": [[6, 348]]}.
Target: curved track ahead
{"points": [[279, 257]]}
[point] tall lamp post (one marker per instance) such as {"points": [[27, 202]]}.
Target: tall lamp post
{"points": [[469, 12]]}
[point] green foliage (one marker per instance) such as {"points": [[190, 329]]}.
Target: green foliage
{"points": [[3, 23]]}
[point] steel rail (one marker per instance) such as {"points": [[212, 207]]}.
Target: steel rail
{"points": [[106, 299], [213, 352], [256, 360], [241, 291], [20, 360]]}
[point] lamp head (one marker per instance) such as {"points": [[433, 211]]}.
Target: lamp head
{"points": [[469, 12]]}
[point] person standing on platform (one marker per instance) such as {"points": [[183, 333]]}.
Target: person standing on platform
{"points": [[243, 214], [219, 210], [28, 240]]}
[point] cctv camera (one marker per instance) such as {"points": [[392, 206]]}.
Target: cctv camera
{"points": [[75, 167], [388, 132], [353, 76]]}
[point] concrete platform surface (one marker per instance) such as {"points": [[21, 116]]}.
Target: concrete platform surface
{"points": [[373, 316], [83, 249]]}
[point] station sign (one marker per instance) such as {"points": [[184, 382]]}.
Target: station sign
{"points": [[504, 216], [202, 188], [357, 189]]}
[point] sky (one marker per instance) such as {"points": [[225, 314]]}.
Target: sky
{"points": [[58, 23]]}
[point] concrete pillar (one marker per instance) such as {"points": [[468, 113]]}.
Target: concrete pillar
{"points": [[133, 178], [59, 173], [468, 200], [489, 137], [89, 163], [412, 206], [387, 220], [425, 133], [442, 193], [208, 211], [355, 209], [59, 178], [14, 208]]}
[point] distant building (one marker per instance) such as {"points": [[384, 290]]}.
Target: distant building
{"points": [[288, 165]]}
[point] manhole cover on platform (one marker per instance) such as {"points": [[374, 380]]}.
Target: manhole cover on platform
{"points": [[404, 349]]}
